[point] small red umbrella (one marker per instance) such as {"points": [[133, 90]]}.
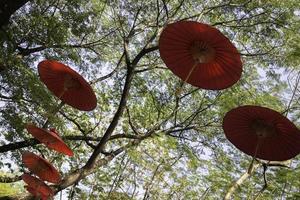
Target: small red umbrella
{"points": [[40, 167], [262, 133], [49, 138], [67, 85], [37, 187], [200, 55]]}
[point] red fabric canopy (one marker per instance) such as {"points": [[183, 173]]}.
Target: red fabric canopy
{"points": [[37, 187], [67, 85], [184, 44], [262, 130], [40, 167], [49, 138], [36, 193]]}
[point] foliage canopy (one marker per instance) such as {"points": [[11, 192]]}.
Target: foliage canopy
{"points": [[161, 145]]}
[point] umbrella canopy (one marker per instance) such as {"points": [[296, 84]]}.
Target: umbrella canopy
{"points": [[36, 193], [37, 187], [67, 85], [49, 138], [200, 55], [262, 133], [40, 167]]}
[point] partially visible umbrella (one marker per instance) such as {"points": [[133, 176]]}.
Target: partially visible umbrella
{"points": [[37, 187], [36, 193], [40, 167], [262, 133], [50, 138]]}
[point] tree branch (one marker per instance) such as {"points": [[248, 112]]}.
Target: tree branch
{"points": [[32, 142], [240, 181], [9, 179], [130, 73]]}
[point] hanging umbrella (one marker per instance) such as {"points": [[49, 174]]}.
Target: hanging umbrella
{"points": [[37, 187], [200, 54], [262, 133], [67, 85], [49, 138], [36, 193], [40, 167]]}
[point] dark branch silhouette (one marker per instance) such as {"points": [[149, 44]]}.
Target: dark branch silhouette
{"points": [[8, 8]]}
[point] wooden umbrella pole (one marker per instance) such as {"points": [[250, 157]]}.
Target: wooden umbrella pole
{"points": [[255, 154], [179, 90], [55, 110], [61, 104]]}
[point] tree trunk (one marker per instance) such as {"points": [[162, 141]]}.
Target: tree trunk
{"points": [[9, 7]]}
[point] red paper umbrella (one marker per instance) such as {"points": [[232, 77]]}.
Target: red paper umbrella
{"points": [[200, 55], [67, 85], [49, 138], [40, 167], [262, 133], [37, 187]]}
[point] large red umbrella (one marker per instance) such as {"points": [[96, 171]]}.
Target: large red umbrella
{"points": [[261, 132], [49, 138], [200, 55], [37, 187], [40, 167], [67, 85]]}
